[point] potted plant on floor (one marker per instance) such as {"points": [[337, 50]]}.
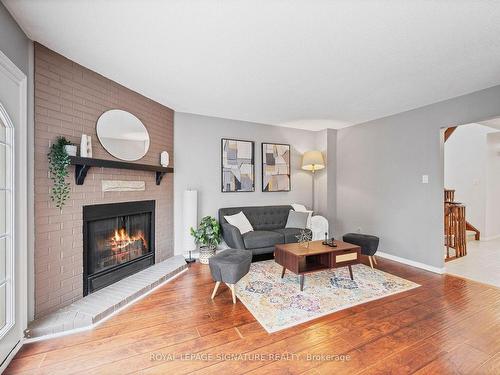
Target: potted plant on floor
{"points": [[208, 236]]}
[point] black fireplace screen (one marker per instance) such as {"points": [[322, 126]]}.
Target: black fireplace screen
{"points": [[118, 240]]}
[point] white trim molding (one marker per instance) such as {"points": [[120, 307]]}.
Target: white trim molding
{"points": [[410, 262], [491, 238], [11, 230], [19, 198]]}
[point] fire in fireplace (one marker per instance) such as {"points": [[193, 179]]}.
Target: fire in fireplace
{"points": [[119, 247], [118, 241], [122, 242]]}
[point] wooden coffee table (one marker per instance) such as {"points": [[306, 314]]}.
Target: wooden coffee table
{"points": [[317, 257]]}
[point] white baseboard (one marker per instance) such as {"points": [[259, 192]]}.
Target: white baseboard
{"points": [[490, 238], [410, 262]]}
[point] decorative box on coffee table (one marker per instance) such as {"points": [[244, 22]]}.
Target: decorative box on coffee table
{"points": [[301, 260]]}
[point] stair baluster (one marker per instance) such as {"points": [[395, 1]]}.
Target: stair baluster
{"points": [[455, 226]]}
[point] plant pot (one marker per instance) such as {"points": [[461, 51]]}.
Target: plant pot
{"points": [[205, 254]]}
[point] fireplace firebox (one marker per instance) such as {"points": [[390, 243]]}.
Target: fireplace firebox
{"points": [[118, 241]]}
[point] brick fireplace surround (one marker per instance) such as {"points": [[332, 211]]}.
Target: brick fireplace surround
{"points": [[68, 101]]}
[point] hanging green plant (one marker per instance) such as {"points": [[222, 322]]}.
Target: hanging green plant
{"points": [[58, 168]]}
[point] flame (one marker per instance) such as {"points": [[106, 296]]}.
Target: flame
{"points": [[122, 239]]}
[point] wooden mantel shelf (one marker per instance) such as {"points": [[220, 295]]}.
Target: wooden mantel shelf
{"points": [[82, 165]]}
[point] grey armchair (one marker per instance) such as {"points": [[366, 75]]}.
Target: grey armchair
{"points": [[232, 236]]}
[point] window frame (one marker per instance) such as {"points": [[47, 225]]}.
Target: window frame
{"points": [[9, 235]]}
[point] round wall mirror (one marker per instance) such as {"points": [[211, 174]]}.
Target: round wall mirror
{"points": [[123, 135]]}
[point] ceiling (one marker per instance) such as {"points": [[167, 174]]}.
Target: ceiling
{"points": [[300, 63]]}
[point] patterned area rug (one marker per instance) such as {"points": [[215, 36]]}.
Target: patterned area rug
{"points": [[278, 303]]}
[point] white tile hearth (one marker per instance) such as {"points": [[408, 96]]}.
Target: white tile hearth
{"points": [[98, 305]]}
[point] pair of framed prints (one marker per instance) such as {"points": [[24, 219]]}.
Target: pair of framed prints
{"points": [[238, 166]]}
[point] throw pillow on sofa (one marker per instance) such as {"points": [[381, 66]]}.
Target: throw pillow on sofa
{"points": [[301, 208], [297, 219], [240, 221]]}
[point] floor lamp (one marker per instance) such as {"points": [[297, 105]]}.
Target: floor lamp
{"points": [[313, 161], [190, 220]]}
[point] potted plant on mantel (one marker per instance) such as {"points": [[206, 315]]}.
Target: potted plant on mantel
{"points": [[208, 236]]}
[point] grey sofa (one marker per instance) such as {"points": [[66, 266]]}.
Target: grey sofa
{"points": [[268, 223]]}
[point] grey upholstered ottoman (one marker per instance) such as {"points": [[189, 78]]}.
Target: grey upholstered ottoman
{"points": [[368, 244], [229, 267]]}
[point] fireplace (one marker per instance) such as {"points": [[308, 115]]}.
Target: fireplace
{"points": [[118, 241]]}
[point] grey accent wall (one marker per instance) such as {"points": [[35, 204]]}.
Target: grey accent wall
{"points": [[198, 164], [13, 42], [379, 170]]}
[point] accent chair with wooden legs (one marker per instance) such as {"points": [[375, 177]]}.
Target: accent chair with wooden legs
{"points": [[228, 267]]}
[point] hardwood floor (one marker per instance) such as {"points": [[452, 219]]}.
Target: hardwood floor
{"points": [[447, 326]]}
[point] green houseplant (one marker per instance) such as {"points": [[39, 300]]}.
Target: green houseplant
{"points": [[208, 236], [58, 168]]}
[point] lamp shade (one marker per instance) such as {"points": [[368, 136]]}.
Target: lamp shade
{"points": [[313, 161]]}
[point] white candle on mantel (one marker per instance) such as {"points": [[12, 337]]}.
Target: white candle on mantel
{"points": [[89, 146]]}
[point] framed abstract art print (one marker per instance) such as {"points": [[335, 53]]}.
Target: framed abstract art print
{"points": [[275, 167], [238, 166]]}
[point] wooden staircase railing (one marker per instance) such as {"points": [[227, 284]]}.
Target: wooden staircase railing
{"points": [[455, 230], [472, 228], [455, 226], [449, 195]]}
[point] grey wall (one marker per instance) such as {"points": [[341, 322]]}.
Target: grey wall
{"points": [[379, 169], [197, 164], [331, 182], [13, 42]]}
